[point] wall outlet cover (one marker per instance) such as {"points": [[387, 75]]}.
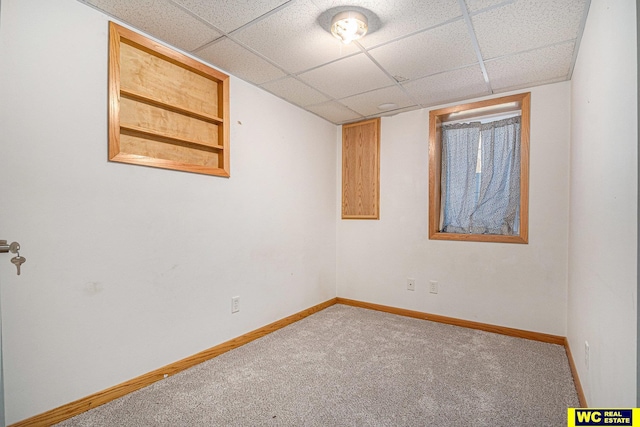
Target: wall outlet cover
{"points": [[433, 286]]}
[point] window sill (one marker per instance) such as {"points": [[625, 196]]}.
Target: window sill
{"points": [[494, 238]]}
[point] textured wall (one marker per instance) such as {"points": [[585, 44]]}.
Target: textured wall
{"points": [[604, 213], [519, 286], [131, 268]]}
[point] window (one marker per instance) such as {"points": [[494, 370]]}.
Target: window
{"points": [[479, 171]]}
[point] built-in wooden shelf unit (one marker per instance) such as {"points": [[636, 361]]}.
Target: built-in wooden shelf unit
{"points": [[361, 170], [166, 110]]}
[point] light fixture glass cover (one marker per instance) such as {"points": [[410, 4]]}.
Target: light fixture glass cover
{"points": [[349, 26]]}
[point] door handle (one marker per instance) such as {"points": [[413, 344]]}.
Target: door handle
{"points": [[13, 247]]}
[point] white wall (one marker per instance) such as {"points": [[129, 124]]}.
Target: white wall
{"points": [[131, 268], [603, 219], [519, 286]]}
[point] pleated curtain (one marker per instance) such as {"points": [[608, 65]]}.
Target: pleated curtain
{"points": [[494, 209]]}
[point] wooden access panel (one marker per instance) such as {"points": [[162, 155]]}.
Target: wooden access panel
{"points": [[361, 170], [166, 109]]}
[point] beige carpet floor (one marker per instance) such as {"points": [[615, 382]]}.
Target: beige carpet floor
{"points": [[347, 366]]}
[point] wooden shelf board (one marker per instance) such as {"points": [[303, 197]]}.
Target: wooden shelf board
{"points": [[128, 93], [153, 134]]}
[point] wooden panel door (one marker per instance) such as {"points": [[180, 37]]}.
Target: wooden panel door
{"points": [[361, 170]]}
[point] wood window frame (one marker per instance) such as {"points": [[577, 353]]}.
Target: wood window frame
{"points": [[470, 111], [361, 170], [158, 119]]}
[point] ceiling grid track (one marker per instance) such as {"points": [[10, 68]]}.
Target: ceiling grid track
{"points": [[474, 41], [416, 54], [393, 78], [560, 43]]}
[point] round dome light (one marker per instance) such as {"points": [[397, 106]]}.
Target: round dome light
{"points": [[349, 26]]}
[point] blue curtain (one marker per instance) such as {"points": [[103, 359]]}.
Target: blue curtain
{"points": [[459, 159], [495, 207]]}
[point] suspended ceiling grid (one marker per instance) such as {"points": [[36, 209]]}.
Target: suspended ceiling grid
{"points": [[417, 54]]}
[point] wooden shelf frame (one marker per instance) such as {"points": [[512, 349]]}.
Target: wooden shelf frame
{"points": [[166, 109], [361, 170]]}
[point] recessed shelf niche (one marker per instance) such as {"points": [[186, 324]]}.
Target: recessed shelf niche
{"points": [[166, 110]]}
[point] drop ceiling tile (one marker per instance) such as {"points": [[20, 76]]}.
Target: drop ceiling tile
{"points": [[513, 36], [476, 5], [393, 19], [229, 15], [162, 20], [367, 103], [295, 91], [448, 87], [293, 38], [442, 48], [531, 68], [398, 111], [334, 112], [235, 59], [526, 24], [347, 77]]}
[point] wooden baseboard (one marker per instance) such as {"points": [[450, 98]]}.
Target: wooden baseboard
{"points": [[82, 405], [519, 333], [576, 378]]}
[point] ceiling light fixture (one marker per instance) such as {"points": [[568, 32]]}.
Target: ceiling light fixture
{"points": [[349, 26]]}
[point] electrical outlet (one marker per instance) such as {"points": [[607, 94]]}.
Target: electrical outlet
{"points": [[235, 304], [411, 284], [586, 354], [433, 286]]}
